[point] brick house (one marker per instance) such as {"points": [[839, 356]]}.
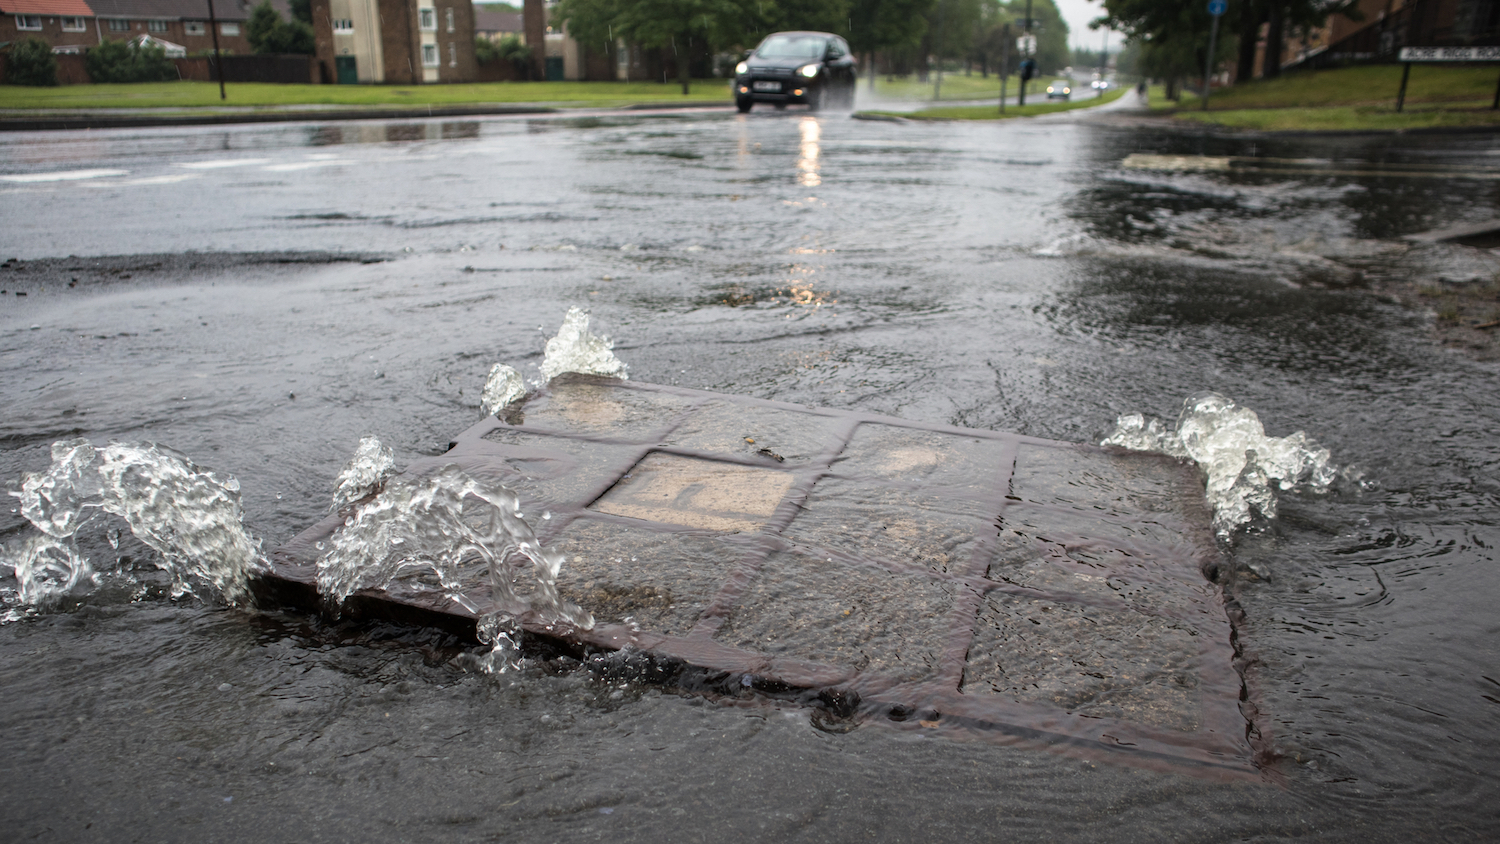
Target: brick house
{"points": [[402, 42], [72, 26]]}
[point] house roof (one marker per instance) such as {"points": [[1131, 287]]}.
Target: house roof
{"points": [[192, 10], [486, 21], [70, 8]]}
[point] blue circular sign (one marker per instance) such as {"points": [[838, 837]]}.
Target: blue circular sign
{"points": [[1217, 7]]}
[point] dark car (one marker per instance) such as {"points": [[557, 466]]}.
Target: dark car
{"points": [[797, 67]]}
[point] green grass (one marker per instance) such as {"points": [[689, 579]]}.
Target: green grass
{"points": [[206, 94], [1348, 99], [992, 112], [955, 87]]}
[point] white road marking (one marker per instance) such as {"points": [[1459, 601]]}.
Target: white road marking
{"points": [[224, 162], [63, 176], [305, 165]]}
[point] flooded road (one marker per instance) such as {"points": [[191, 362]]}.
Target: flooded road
{"points": [[278, 292]]}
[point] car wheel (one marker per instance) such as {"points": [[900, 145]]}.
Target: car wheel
{"points": [[744, 104]]}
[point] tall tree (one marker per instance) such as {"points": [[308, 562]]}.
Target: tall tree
{"points": [[886, 26]]}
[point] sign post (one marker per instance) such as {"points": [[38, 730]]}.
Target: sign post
{"points": [[1444, 54], [1216, 9]]}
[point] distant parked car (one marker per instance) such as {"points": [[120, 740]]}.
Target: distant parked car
{"points": [[1059, 90], [816, 68]]}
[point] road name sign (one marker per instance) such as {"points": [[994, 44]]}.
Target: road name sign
{"points": [[1450, 54]]}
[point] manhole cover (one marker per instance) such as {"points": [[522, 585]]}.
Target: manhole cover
{"points": [[982, 583]]}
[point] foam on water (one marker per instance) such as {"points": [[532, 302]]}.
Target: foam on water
{"points": [[1243, 466], [426, 534], [576, 349], [191, 517]]}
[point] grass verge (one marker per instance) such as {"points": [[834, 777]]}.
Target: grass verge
{"points": [[1348, 99], [992, 112], [267, 95]]}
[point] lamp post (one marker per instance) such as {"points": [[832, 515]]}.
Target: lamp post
{"points": [[213, 29]]}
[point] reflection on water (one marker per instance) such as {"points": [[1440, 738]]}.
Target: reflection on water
{"points": [[380, 133], [807, 159]]}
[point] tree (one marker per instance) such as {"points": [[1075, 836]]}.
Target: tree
{"points": [[268, 33], [680, 26], [301, 10], [31, 63], [881, 26]]}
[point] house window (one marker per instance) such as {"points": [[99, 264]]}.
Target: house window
{"points": [[229, 29], [343, 25], [28, 21], [118, 25], [452, 55], [194, 28], [449, 14], [429, 55], [73, 25], [156, 26], [427, 19]]}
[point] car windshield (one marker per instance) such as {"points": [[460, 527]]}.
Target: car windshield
{"points": [[792, 47]]}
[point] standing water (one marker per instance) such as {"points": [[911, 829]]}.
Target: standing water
{"points": [[262, 298]]}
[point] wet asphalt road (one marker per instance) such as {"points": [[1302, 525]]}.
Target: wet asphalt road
{"points": [[272, 293]]}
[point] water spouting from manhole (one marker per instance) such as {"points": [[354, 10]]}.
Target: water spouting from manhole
{"points": [[576, 349], [191, 517], [435, 534], [1243, 466]]}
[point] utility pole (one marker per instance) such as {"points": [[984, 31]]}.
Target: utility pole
{"points": [[937, 46], [1004, 62], [1104, 61], [213, 28], [1216, 9]]}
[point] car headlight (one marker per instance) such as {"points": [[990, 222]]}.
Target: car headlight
{"points": [[1067, 90], [809, 70], [1049, 89], [742, 68]]}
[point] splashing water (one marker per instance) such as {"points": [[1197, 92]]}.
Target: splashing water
{"points": [[436, 528], [1243, 466], [365, 473], [575, 349], [503, 386], [189, 516]]}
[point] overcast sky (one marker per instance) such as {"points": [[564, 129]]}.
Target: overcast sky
{"points": [[1078, 13]]}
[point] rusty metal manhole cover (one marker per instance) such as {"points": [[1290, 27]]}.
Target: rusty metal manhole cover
{"points": [[998, 585]]}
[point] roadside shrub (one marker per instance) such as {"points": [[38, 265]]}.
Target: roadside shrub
{"points": [[485, 50], [31, 63], [118, 61]]}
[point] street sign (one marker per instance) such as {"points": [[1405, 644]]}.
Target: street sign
{"points": [[1217, 7], [1026, 44], [1450, 54]]}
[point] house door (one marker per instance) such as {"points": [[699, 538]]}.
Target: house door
{"points": [[554, 68], [346, 70]]}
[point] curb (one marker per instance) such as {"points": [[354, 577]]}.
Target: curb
{"points": [[134, 121]]}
